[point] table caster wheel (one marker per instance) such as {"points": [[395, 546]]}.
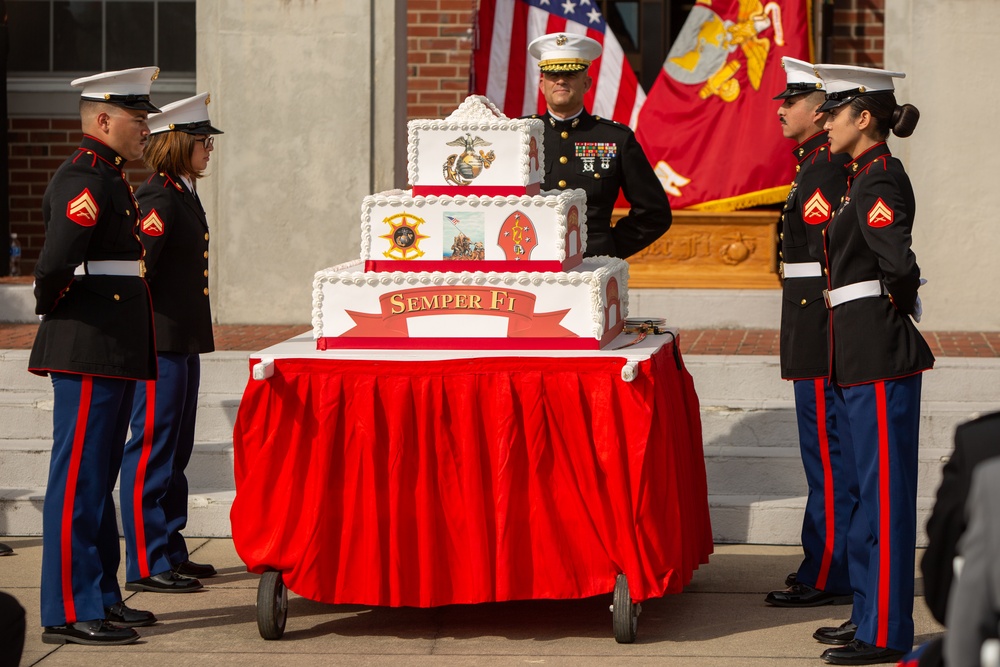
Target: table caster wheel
{"points": [[272, 605], [625, 614]]}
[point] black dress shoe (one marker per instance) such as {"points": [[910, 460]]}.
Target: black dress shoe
{"points": [[6, 550], [861, 653], [792, 579], [838, 636], [800, 595], [95, 633], [197, 570], [127, 617], [165, 582]]}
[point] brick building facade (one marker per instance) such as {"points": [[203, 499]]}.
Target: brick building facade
{"points": [[439, 49]]}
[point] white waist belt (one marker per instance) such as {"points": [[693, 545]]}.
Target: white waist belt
{"points": [[854, 291], [801, 270], [112, 267]]}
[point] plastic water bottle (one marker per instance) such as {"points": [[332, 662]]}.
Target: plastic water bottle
{"points": [[15, 255]]}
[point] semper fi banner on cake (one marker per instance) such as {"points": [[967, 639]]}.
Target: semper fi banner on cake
{"points": [[517, 306], [709, 125]]}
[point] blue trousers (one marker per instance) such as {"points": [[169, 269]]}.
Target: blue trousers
{"points": [[80, 552], [880, 444], [828, 504], [154, 490]]}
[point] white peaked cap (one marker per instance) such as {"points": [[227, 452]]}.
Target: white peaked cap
{"points": [[189, 115], [845, 82], [564, 52], [800, 78], [128, 88]]}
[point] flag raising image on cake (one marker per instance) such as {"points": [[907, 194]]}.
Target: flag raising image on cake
{"points": [[490, 264]]}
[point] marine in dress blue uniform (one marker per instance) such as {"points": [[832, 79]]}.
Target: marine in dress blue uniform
{"points": [[95, 341], [175, 234], [595, 154], [820, 182], [877, 357]]}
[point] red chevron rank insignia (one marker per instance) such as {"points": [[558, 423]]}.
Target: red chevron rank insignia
{"points": [[880, 214], [817, 209], [152, 225], [82, 209]]}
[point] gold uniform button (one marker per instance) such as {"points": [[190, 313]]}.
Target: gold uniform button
{"points": [[206, 236], [564, 134], [797, 167], [206, 291], [780, 255], [781, 236], [804, 302], [128, 212], [117, 298], [597, 175], [206, 254], [826, 272], [563, 160], [562, 184], [206, 273]]}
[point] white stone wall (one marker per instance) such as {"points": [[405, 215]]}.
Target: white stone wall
{"points": [[947, 50], [311, 96]]}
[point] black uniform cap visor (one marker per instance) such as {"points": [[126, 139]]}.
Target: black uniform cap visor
{"points": [[794, 89], [137, 102]]}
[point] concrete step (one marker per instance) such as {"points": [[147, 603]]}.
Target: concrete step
{"points": [[773, 519], [772, 423], [27, 415], [778, 471], [26, 463], [208, 512], [720, 379]]}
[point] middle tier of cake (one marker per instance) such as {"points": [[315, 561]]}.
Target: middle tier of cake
{"points": [[545, 232], [582, 309]]}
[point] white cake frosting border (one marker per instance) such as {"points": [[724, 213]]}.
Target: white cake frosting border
{"points": [[477, 113], [596, 279], [561, 200]]}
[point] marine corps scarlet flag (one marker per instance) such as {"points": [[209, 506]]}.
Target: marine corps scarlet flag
{"points": [[709, 125]]}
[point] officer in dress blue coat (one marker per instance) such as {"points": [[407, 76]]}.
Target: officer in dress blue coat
{"points": [[175, 234], [877, 358], [95, 341], [595, 154], [820, 182]]}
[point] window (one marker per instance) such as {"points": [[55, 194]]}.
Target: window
{"points": [[65, 39], [646, 29]]}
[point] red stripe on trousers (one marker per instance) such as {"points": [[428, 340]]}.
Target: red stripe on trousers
{"points": [[824, 452], [140, 479], [884, 518], [72, 475]]}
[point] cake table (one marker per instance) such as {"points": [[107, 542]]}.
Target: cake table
{"points": [[439, 477]]}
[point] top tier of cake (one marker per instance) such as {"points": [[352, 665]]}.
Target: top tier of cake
{"points": [[475, 151]]}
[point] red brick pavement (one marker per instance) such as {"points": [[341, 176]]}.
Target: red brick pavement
{"points": [[252, 337]]}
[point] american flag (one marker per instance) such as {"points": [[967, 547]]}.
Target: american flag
{"points": [[507, 74]]}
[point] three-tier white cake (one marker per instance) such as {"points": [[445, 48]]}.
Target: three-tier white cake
{"points": [[475, 255]]}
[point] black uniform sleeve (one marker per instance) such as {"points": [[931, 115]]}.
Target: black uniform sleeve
{"points": [[66, 241], [155, 200], [650, 214], [883, 196]]}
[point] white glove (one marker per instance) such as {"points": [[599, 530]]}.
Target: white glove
{"points": [[918, 309]]}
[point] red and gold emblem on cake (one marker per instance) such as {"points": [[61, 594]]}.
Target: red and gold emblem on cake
{"points": [[404, 236], [574, 242], [517, 237]]}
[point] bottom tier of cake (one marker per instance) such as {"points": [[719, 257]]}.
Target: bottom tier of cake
{"points": [[584, 308]]}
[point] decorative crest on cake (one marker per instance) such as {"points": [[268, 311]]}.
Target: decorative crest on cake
{"points": [[404, 236], [517, 237], [476, 108], [462, 169]]}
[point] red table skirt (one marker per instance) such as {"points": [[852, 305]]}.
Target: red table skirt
{"points": [[427, 483]]}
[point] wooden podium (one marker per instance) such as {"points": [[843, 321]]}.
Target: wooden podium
{"points": [[703, 249]]}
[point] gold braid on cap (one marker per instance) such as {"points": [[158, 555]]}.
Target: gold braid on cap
{"points": [[568, 65]]}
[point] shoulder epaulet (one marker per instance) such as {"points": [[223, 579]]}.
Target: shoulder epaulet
{"points": [[613, 123]]}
